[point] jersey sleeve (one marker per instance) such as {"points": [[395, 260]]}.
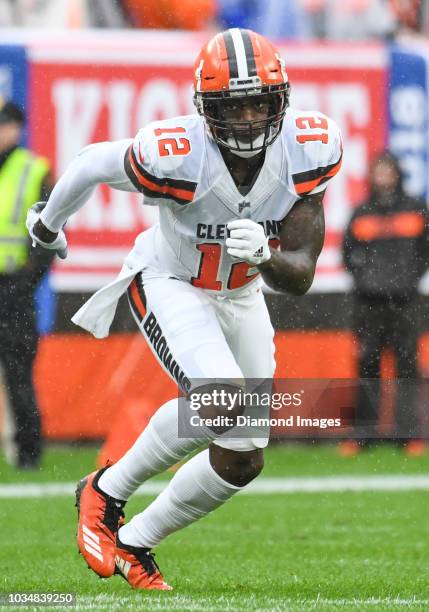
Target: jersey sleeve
{"points": [[151, 175], [317, 151]]}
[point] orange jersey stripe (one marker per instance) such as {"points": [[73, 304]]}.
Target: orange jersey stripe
{"points": [[409, 224], [400, 225], [309, 185], [183, 194]]}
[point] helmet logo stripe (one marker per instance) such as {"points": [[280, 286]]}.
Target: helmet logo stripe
{"points": [[232, 58], [250, 54], [240, 53]]}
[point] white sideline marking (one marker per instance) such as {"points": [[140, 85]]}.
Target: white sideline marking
{"points": [[233, 603], [322, 484]]}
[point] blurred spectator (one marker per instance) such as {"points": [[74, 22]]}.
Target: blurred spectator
{"points": [[42, 13], [278, 19], [386, 249], [105, 14], [412, 16], [70, 14], [316, 17], [408, 13], [170, 14], [237, 13], [275, 19], [24, 179], [302, 19], [354, 20]]}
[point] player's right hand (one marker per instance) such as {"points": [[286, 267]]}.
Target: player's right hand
{"points": [[59, 244]]}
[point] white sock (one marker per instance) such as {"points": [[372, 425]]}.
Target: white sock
{"points": [[155, 450], [194, 491]]}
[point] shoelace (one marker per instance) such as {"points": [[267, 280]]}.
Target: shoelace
{"points": [[113, 514], [147, 559]]}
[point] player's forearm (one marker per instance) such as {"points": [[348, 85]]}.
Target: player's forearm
{"points": [[288, 271], [63, 203], [100, 163]]}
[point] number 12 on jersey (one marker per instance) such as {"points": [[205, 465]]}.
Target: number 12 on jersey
{"points": [[210, 259], [172, 145], [312, 123]]}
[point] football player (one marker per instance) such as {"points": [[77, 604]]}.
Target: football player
{"points": [[239, 187]]}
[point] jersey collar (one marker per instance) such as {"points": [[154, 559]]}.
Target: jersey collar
{"points": [[226, 190]]}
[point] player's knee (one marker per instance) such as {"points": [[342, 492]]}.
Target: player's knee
{"points": [[237, 467], [248, 468], [218, 405]]}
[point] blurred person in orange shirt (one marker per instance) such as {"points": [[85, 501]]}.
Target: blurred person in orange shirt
{"points": [[171, 14], [386, 251]]}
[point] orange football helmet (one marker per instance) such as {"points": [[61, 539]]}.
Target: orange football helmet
{"points": [[240, 64]]}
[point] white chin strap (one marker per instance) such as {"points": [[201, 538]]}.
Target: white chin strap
{"points": [[245, 150]]}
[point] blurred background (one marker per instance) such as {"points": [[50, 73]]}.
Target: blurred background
{"points": [[92, 70]]}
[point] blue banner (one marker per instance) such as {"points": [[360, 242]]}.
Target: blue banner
{"points": [[14, 76], [408, 116]]}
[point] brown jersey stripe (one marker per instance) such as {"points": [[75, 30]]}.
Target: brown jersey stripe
{"points": [[130, 172], [306, 187], [166, 181], [151, 193], [250, 54], [137, 298], [140, 288], [312, 175], [232, 58], [180, 191]]}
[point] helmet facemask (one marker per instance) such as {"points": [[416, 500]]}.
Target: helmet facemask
{"points": [[244, 138]]}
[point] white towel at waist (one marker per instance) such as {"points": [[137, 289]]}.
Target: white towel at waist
{"points": [[97, 314]]}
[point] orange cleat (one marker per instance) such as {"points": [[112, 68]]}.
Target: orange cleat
{"points": [[138, 567], [416, 448], [99, 518]]}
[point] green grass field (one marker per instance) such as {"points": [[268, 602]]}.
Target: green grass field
{"points": [[360, 550]]}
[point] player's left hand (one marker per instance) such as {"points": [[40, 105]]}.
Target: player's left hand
{"points": [[247, 241]]}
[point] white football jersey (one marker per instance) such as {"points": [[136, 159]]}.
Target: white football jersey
{"points": [[177, 166]]}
